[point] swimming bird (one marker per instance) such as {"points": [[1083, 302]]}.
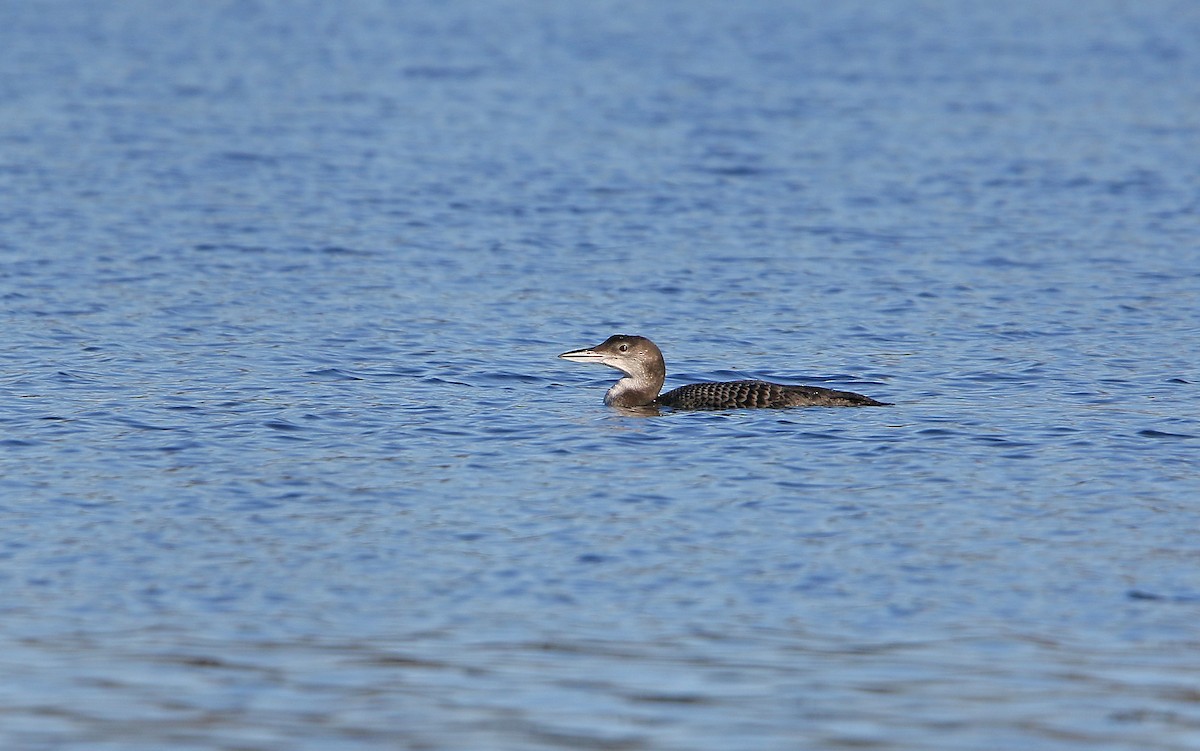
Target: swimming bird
{"points": [[645, 370]]}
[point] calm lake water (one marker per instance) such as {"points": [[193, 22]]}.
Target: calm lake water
{"points": [[287, 460]]}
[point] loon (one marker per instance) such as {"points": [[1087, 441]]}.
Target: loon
{"points": [[645, 370]]}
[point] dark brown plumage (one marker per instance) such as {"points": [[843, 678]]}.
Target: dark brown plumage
{"points": [[759, 394], [645, 371]]}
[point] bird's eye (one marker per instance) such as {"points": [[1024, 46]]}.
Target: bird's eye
{"points": [[624, 348]]}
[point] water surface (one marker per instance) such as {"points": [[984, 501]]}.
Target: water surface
{"points": [[287, 460]]}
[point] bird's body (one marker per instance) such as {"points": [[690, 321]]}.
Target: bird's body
{"points": [[760, 394], [645, 371]]}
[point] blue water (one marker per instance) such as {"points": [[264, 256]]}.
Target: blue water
{"points": [[287, 460]]}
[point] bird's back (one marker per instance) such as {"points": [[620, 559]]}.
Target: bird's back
{"points": [[759, 394]]}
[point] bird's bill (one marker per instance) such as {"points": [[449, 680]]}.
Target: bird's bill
{"points": [[582, 355]]}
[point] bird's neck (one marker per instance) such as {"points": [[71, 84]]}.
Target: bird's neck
{"points": [[634, 391]]}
